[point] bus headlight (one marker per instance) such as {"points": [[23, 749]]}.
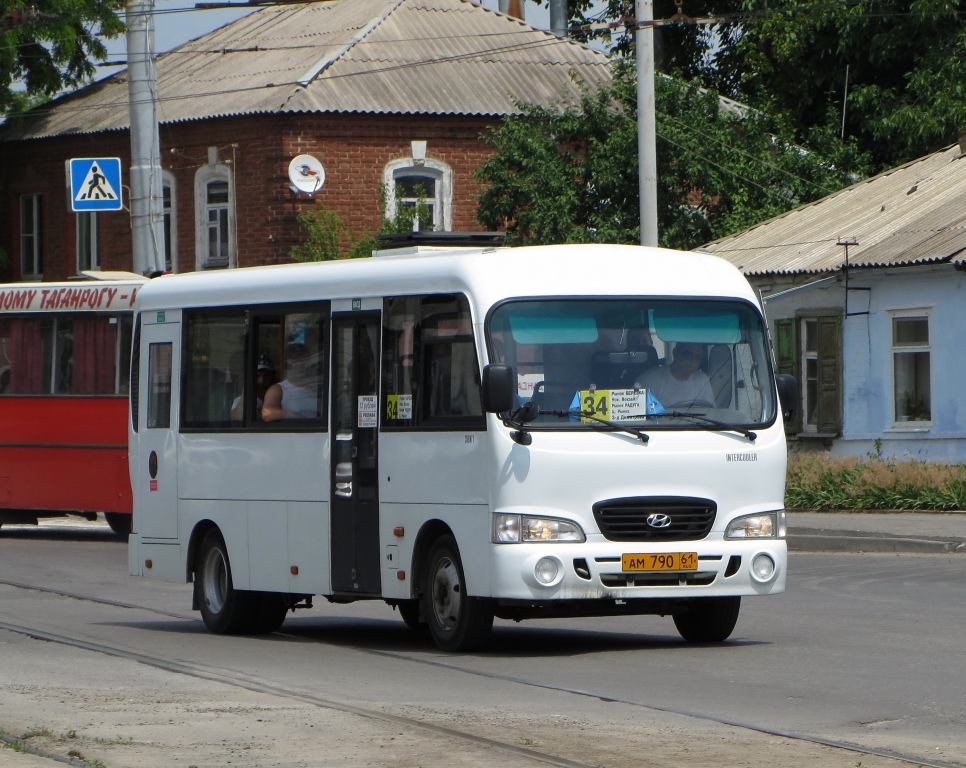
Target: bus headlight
{"points": [[512, 529], [770, 525]]}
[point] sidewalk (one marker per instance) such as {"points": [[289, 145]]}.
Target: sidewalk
{"points": [[943, 533]]}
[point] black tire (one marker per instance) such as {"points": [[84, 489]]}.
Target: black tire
{"points": [[270, 613], [708, 619], [456, 621], [224, 609], [120, 524], [409, 613]]}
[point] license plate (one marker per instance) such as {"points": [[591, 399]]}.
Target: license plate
{"points": [[663, 561]]}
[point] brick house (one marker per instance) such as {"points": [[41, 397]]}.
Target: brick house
{"points": [[357, 84]]}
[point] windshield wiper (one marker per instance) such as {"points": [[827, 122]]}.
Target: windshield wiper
{"points": [[593, 417], [713, 422]]}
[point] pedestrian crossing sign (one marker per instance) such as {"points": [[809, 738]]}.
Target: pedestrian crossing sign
{"points": [[95, 184]]}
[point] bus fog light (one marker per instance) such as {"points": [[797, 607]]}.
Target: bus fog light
{"points": [[762, 568], [547, 571]]}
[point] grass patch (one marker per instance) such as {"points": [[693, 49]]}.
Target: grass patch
{"points": [[815, 481]]}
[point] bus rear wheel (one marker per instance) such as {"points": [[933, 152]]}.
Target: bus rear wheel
{"points": [[456, 621], [708, 619], [120, 523], [224, 609]]}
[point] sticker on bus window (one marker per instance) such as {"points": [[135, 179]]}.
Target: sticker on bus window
{"points": [[399, 407], [615, 404], [368, 411]]}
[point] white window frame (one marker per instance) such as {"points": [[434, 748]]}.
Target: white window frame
{"points": [[440, 172], [805, 354], [31, 245], [88, 251], [170, 226], [211, 173], [898, 349]]}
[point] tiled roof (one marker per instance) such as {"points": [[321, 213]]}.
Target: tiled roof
{"points": [[364, 56], [913, 214]]}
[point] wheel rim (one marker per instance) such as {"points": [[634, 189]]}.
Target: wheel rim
{"points": [[447, 594], [214, 580]]}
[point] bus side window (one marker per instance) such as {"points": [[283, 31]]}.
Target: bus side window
{"points": [[431, 374], [213, 378]]}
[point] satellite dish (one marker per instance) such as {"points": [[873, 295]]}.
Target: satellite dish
{"points": [[306, 174]]}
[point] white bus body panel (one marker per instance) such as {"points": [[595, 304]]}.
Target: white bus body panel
{"points": [[563, 474]]}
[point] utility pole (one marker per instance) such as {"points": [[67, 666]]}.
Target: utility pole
{"points": [[646, 128], [147, 213], [558, 17]]}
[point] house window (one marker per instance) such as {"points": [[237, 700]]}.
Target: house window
{"points": [[809, 347], [216, 207], [170, 223], [88, 256], [214, 216], [31, 254], [910, 368], [425, 188]]}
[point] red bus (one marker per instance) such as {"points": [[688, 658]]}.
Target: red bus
{"points": [[65, 351]]}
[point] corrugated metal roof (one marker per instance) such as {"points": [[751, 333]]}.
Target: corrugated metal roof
{"points": [[369, 56], [913, 214]]}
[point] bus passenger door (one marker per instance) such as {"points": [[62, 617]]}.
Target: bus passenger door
{"points": [[155, 459], [354, 434]]}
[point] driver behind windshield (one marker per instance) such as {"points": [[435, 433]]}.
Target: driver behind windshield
{"points": [[681, 382]]}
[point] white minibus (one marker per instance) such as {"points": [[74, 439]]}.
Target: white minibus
{"points": [[463, 433]]}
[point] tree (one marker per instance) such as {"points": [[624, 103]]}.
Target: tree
{"points": [[570, 175], [894, 71], [49, 45]]}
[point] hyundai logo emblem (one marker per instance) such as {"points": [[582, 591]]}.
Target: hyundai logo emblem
{"points": [[658, 520]]}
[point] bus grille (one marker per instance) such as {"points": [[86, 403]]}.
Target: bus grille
{"points": [[655, 518]]}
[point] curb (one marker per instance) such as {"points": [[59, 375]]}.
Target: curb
{"points": [[827, 541]]}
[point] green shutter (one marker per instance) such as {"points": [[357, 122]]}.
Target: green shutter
{"points": [[786, 354], [830, 375]]}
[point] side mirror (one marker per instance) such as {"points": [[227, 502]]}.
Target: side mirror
{"points": [[787, 395], [499, 391]]}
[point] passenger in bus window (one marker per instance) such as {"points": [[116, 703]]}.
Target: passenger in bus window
{"points": [[681, 381], [296, 396], [264, 378]]}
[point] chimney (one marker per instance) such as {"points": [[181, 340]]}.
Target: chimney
{"points": [[961, 136], [512, 8]]}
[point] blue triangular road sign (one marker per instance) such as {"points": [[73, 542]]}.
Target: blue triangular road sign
{"points": [[95, 184]]}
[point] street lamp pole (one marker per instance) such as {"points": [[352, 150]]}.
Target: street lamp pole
{"points": [[147, 213], [646, 129]]}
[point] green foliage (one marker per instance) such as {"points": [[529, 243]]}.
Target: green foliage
{"points": [[48, 45], [328, 237], [814, 481], [902, 63], [906, 70], [570, 175]]}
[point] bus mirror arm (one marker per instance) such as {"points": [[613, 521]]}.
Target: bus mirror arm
{"points": [[519, 420]]}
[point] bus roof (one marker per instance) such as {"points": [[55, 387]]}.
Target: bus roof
{"points": [[104, 295], [486, 275]]}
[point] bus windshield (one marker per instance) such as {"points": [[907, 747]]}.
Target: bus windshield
{"points": [[676, 363]]}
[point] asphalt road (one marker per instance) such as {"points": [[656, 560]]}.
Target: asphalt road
{"points": [[863, 651]]}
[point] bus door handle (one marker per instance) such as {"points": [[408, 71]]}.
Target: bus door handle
{"points": [[343, 468]]}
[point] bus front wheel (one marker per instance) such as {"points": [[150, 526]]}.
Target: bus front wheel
{"points": [[708, 619], [224, 609], [456, 621]]}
